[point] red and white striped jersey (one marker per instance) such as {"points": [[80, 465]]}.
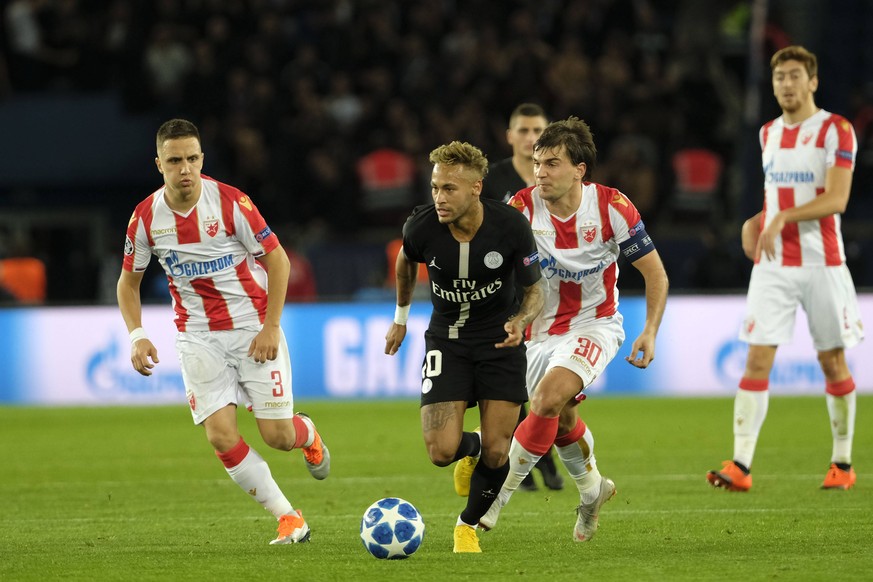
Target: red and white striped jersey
{"points": [[578, 255], [208, 255], [796, 159]]}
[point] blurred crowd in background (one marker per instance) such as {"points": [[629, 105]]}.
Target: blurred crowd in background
{"points": [[325, 112]]}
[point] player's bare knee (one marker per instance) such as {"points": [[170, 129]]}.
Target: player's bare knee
{"points": [[546, 403], [758, 367], [223, 441], [759, 361], [833, 364], [441, 461], [439, 456]]}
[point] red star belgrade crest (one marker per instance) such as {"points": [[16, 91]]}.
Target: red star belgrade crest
{"points": [[211, 227], [589, 234]]}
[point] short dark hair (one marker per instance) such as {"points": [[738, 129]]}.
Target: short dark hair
{"points": [[577, 139], [176, 129], [799, 54], [527, 110]]}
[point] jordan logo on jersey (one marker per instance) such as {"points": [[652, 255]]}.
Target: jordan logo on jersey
{"points": [[211, 227], [433, 264], [589, 234]]}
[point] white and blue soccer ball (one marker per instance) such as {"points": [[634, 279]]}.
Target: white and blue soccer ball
{"points": [[392, 529]]}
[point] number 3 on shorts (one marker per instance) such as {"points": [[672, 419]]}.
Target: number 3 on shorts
{"points": [[279, 390]]}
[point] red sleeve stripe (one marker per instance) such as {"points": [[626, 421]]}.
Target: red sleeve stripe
{"points": [[791, 255], [228, 202], [231, 197], [842, 163], [608, 307], [142, 214], [823, 132], [625, 208], [845, 138], [146, 216], [528, 200], [252, 216], [603, 197], [214, 303], [128, 260]]}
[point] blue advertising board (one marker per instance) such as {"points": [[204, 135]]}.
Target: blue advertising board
{"points": [[81, 355]]}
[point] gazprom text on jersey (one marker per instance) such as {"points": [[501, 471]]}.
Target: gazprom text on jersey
{"points": [[791, 177], [549, 271], [201, 268]]}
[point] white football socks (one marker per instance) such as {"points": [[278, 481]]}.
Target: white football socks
{"points": [[253, 475], [750, 410], [581, 464], [841, 410], [521, 462]]}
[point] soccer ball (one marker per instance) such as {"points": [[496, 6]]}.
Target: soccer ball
{"points": [[392, 529]]}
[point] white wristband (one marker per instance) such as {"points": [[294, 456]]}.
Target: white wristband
{"points": [[401, 314], [137, 334]]}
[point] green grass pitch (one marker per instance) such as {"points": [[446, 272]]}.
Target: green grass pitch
{"points": [[137, 494]]}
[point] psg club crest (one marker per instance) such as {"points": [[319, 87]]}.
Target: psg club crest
{"points": [[589, 234], [493, 260], [211, 227]]}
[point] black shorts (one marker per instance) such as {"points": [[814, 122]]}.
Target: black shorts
{"points": [[472, 370]]}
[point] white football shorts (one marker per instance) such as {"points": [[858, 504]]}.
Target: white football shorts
{"points": [[218, 371], [827, 295], [585, 350]]}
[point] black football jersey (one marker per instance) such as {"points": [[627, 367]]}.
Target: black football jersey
{"points": [[502, 181], [472, 284]]}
